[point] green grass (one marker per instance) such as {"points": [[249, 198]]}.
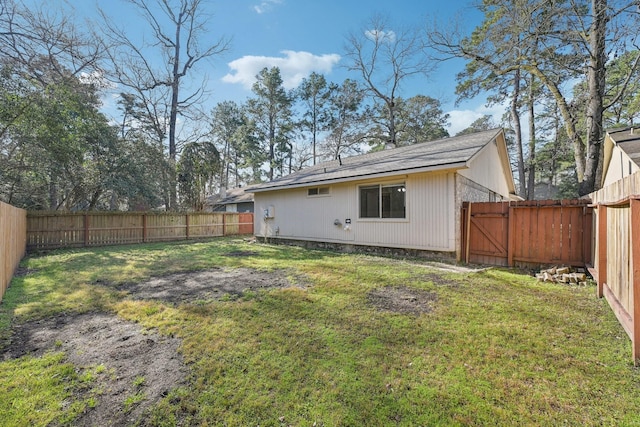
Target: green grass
{"points": [[499, 348]]}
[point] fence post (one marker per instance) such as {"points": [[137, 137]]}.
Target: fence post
{"points": [[602, 250], [187, 221], [635, 277], [466, 221], [224, 224], [511, 235], [86, 230], [144, 228]]}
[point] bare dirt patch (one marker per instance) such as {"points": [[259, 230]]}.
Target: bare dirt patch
{"points": [[402, 300], [134, 362], [207, 285], [138, 365]]}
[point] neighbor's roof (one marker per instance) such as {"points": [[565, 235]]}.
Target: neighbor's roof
{"points": [[446, 153], [233, 195]]}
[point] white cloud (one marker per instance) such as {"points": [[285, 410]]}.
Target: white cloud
{"points": [[266, 6], [294, 67]]}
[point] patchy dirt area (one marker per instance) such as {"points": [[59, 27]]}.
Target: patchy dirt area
{"points": [[141, 366], [402, 300], [133, 362], [138, 365], [206, 285]]}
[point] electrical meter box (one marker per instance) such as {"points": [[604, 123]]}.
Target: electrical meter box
{"points": [[270, 212]]}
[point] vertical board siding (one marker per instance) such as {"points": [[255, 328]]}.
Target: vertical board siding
{"points": [[53, 230], [527, 233], [429, 222], [619, 256], [13, 232], [488, 239], [617, 263]]}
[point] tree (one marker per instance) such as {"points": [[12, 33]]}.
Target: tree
{"points": [[271, 113], [346, 124], [226, 120], [198, 165], [178, 34], [421, 119], [560, 38], [480, 124], [622, 72], [56, 149], [314, 92], [496, 50], [385, 59], [63, 152]]}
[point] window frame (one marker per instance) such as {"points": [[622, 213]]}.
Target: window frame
{"points": [[321, 191], [381, 202]]}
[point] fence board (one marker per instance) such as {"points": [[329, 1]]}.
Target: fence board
{"points": [[13, 231], [616, 265], [51, 230], [527, 233]]}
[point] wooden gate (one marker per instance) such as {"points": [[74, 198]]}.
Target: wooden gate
{"points": [[527, 234]]}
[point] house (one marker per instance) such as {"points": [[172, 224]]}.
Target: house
{"points": [[233, 200], [621, 154], [408, 197]]}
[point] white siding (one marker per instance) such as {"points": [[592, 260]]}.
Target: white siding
{"points": [[429, 223], [619, 166], [485, 169]]}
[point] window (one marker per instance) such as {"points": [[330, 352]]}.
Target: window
{"points": [[318, 191], [383, 201]]}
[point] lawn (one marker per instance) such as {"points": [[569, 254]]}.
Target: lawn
{"points": [[488, 347]]}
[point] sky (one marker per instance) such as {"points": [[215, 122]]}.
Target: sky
{"points": [[302, 36]]}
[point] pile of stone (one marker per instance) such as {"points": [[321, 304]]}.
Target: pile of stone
{"points": [[564, 275]]}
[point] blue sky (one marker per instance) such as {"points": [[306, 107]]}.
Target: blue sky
{"points": [[301, 36]]}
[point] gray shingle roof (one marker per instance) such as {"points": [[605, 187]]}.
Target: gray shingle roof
{"points": [[628, 139], [447, 152], [233, 195]]}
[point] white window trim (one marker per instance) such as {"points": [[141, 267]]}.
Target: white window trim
{"points": [[313, 196], [380, 185]]}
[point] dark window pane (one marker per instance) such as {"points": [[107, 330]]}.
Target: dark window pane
{"points": [[393, 201], [370, 202]]}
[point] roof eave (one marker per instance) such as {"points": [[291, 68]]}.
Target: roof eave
{"points": [[361, 177]]}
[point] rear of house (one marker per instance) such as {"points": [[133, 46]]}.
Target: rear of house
{"points": [[408, 197]]}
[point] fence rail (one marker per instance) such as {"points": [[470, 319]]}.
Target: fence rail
{"points": [[52, 230], [13, 231]]}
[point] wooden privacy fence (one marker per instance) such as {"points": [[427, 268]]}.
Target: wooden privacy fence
{"points": [[13, 232], [528, 233], [616, 266], [51, 230]]}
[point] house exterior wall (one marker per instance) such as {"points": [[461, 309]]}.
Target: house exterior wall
{"points": [[430, 222], [620, 166], [485, 171]]}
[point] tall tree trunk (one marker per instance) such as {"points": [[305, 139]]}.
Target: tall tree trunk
{"points": [[517, 129], [272, 143], [173, 117], [393, 137], [53, 192], [596, 84], [531, 163], [567, 116]]}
